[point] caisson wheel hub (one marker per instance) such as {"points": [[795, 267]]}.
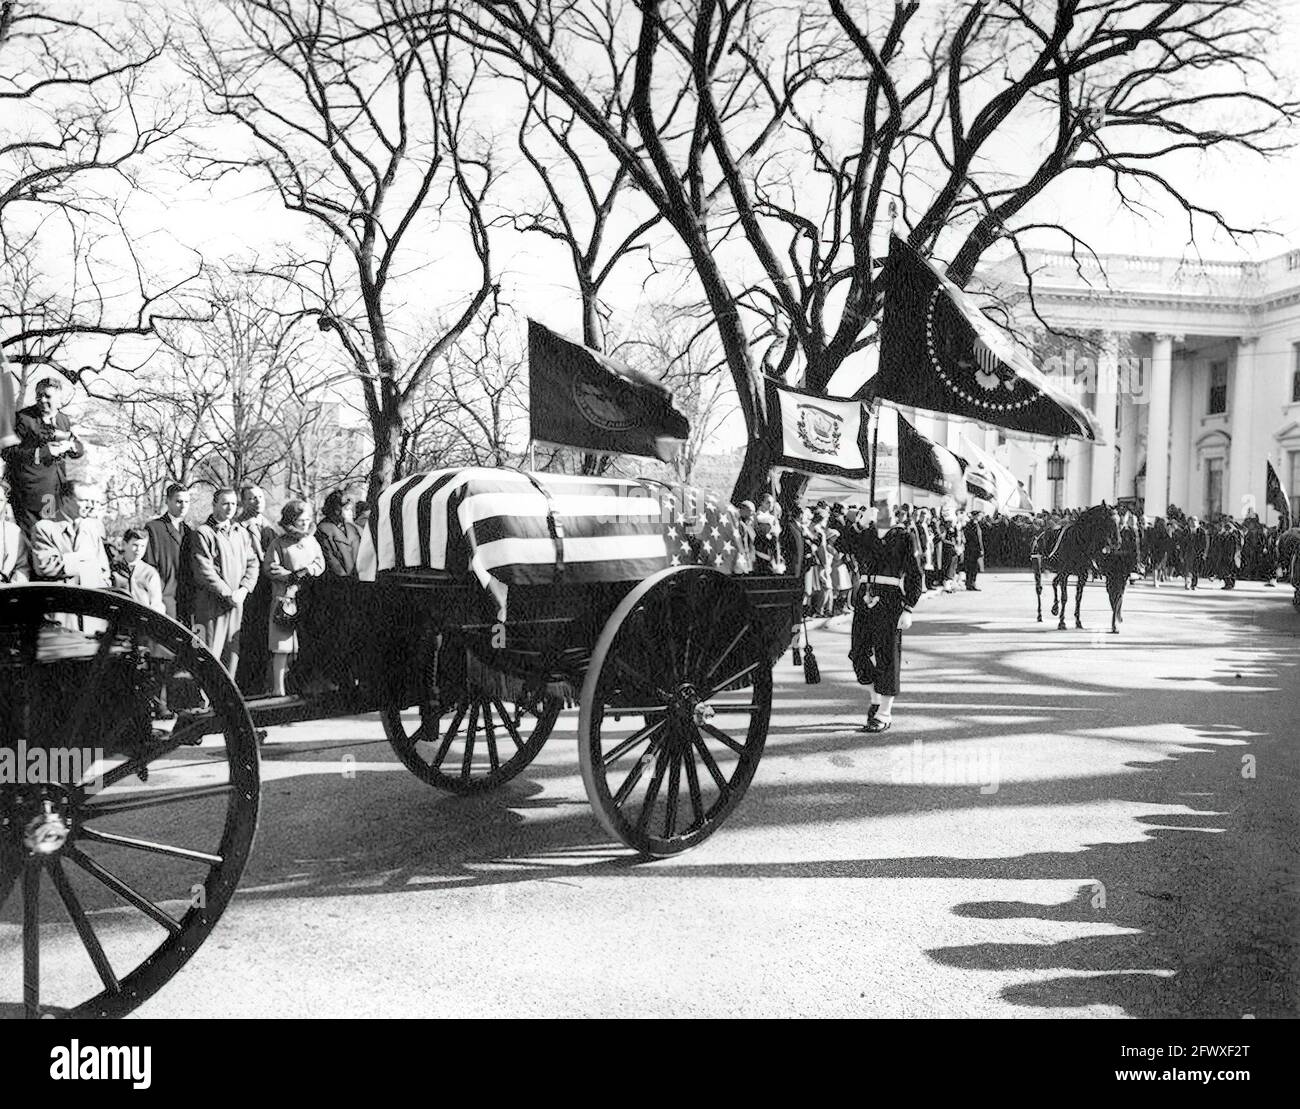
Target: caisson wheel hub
{"points": [[42, 824]]}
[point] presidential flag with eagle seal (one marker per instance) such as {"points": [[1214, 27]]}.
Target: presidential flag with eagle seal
{"points": [[939, 352]]}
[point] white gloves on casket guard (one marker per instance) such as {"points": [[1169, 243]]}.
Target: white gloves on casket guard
{"points": [[904, 619]]}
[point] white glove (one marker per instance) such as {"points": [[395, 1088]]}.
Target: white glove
{"points": [[905, 620]]}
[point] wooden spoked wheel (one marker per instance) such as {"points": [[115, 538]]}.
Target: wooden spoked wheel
{"points": [[463, 738], [674, 710], [122, 837]]}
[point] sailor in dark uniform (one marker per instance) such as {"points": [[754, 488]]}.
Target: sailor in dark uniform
{"points": [[882, 611]]}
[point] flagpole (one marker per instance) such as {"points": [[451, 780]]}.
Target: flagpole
{"points": [[875, 443]]}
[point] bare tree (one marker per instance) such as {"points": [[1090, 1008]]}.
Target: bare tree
{"points": [[322, 452], [226, 400], [672, 344], [76, 123], [357, 116], [475, 407], [588, 198], [773, 138]]}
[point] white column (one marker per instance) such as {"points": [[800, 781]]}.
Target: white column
{"points": [[1181, 462], [1128, 442], [1157, 483], [1077, 460], [1105, 404], [1241, 458]]}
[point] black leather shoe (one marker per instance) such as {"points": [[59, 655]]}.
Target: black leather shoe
{"points": [[877, 725]]}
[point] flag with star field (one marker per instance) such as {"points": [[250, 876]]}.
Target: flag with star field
{"points": [[939, 352], [507, 528]]}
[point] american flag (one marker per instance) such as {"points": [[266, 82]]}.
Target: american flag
{"points": [[509, 528], [708, 537]]}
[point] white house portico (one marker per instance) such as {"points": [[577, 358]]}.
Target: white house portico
{"points": [[1196, 380]]}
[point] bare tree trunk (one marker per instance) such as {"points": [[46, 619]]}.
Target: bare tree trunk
{"points": [[383, 468]]}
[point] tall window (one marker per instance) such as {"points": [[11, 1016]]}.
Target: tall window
{"points": [[1293, 487], [1218, 387], [1295, 373], [1213, 486]]}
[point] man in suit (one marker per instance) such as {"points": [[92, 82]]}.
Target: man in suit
{"points": [[224, 568], [134, 577], [38, 462], [15, 552], [255, 659], [252, 514], [1196, 549], [1230, 553], [973, 558], [167, 555], [71, 548]]}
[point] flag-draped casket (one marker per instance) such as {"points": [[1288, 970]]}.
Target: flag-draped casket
{"points": [[507, 528]]}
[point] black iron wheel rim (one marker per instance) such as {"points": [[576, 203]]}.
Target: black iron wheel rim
{"points": [[690, 645], [22, 608], [468, 740]]}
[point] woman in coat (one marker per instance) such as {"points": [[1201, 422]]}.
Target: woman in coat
{"points": [[292, 557]]}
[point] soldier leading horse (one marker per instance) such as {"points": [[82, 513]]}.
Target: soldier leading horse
{"points": [[1072, 550]]}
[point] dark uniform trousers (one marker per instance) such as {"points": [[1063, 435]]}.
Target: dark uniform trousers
{"points": [[891, 583], [877, 644]]}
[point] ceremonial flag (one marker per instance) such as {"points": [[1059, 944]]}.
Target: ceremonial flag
{"points": [[8, 404], [578, 397], [979, 481], [939, 352], [1276, 496], [923, 464], [819, 435], [989, 480]]}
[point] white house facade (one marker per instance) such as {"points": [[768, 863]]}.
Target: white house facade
{"points": [[1202, 359]]}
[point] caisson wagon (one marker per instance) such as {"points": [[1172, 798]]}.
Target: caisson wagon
{"points": [[493, 602]]}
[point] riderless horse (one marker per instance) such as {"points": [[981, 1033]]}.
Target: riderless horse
{"points": [[1288, 554], [1072, 550]]}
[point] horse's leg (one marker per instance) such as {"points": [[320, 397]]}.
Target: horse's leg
{"points": [[1038, 586], [1115, 591], [1062, 583], [1056, 581], [1078, 601]]}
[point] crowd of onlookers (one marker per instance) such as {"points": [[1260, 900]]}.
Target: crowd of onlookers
{"points": [[952, 543], [236, 577], [948, 542]]}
